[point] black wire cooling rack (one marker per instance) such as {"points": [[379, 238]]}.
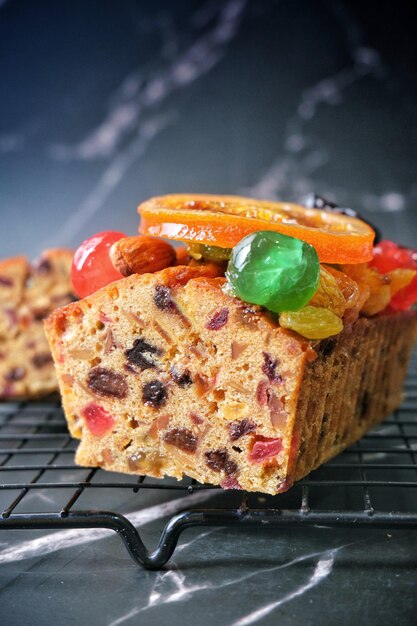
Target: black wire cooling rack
{"points": [[370, 484]]}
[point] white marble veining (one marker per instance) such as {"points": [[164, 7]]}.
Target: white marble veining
{"points": [[133, 119], [72, 538], [172, 586], [303, 153], [323, 568], [294, 173]]}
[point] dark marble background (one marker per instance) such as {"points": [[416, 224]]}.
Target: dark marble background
{"points": [[105, 103]]}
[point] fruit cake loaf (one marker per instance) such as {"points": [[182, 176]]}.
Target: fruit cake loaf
{"points": [[166, 374], [28, 293]]}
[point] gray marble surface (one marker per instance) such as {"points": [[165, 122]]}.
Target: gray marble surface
{"points": [[107, 103]]}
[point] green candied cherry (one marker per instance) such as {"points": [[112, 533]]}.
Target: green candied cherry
{"points": [[278, 272]]}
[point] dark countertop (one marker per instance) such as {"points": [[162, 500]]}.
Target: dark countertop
{"points": [[107, 103]]}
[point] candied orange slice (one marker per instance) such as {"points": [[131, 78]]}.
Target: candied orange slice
{"points": [[224, 220]]}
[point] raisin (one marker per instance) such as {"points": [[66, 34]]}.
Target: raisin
{"points": [[105, 382], [163, 300], [269, 368], [154, 393], [219, 461], [182, 379], [5, 281], [44, 266], [181, 438], [239, 428], [140, 353], [218, 320], [15, 374], [41, 359], [40, 314]]}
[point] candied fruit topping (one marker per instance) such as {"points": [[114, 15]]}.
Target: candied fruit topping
{"points": [[140, 354], [278, 272], [265, 448], [154, 393], [209, 253], [105, 382], [389, 257], [181, 438], [239, 428], [218, 320], [312, 322], [97, 420], [219, 461], [329, 295], [92, 267]]}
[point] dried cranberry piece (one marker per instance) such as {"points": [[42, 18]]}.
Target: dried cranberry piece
{"points": [[269, 368], [163, 299], [265, 448], [15, 374], [196, 419], [230, 482], [218, 320], [154, 393], [105, 382], [181, 438], [219, 461], [43, 267], [182, 379], [97, 420], [5, 281], [262, 392], [139, 354], [41, 359], [239, 428]]}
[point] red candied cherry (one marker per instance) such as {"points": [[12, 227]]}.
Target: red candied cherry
{"points": [[389, 256], [265, 448], [97, 420], [92, 267]]}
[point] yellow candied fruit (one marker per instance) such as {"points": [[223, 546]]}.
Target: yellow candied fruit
{"points": [[312, 322], [400, 278], [328, 295], [378, 284], [348, 287]]}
